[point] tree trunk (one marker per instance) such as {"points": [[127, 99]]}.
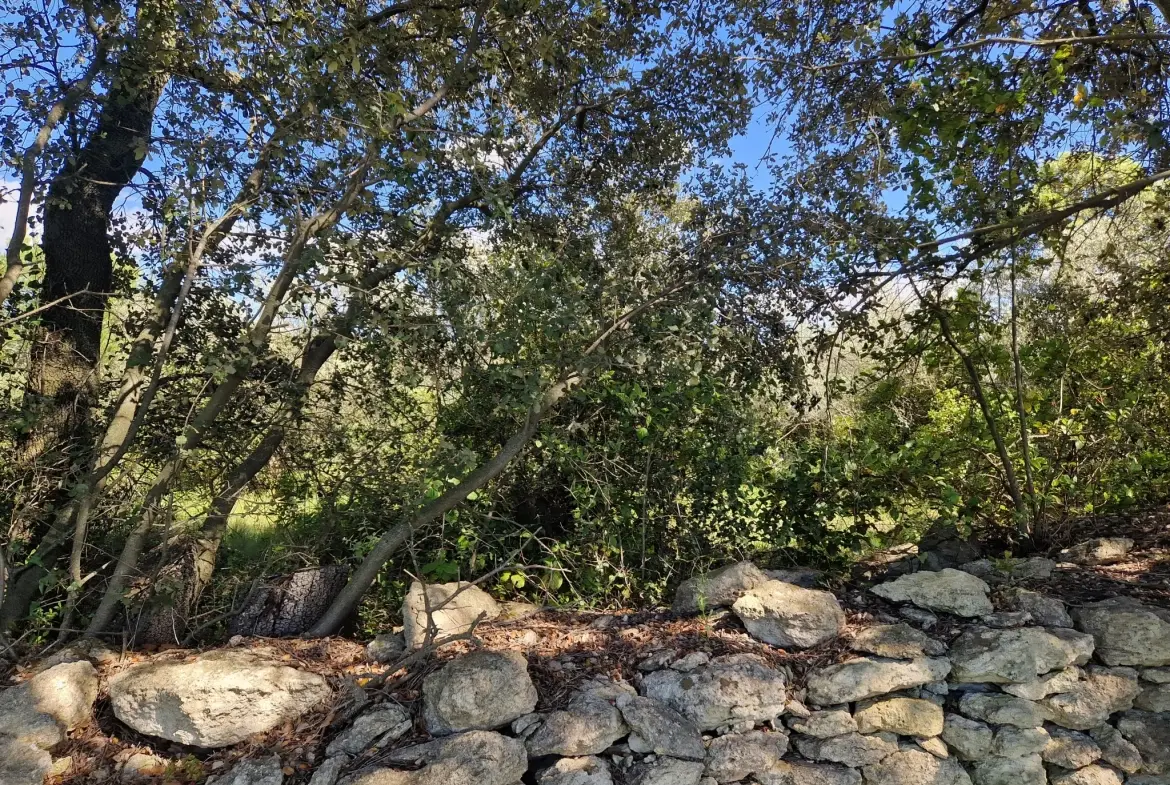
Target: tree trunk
{"points": [[78, 267]]}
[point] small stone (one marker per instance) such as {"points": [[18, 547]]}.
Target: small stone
{"points": [[330, 771], [935, 746], [896, 641], [867, 677], [657, 728], [1156, 675], [784, 615], [904, 716], [454, 609], [665, 771], [1020, 655], [385, 648], [1098, 551], [256, 771], [695, 659], [916, 767], [1070, 749], [1006, 619], [588, 725], [716, 589], [1127, 632], [797, 772], [852, 749], [1150, 733], [1115, 750], [589, 770], [473, 758], [732, 688], [824, 724], [970, 739], [1048, 684], [738, 756], [1093, 699], [389, 721], [922, 618], [483, 690], [1045, 611], [1010, 771], [1155, 698], [1003, 710], [1019, 742], [948, 590], [1090, 775]]}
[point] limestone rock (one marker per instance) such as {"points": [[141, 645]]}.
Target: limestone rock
{"points": [[852, 749], [386, 723], [802, 773], [1019, 742], [1017, 655], [23, 762], [948, 590], [1127, 632], [1004, 570], [733, 688], [824, 724], [1150, 733], [386, 648], [330, 771], [1156, 675], [935, 746], [800, 576], [480, 691], [868, 677], [1115, 750], [1090, 775], [1045, 611], [473, 758], [737, 756], [64, 694], [897, 641], [1048, 684], [657, 728], [1091, 700], [1102, 550], [1010, 771], [1070, 749], [455, 608], [916, 767], [217, 699], [718, 588], [576, 771], [1148, 779], [1003, 710], [1154, 698], [788, 616], [904, 716], [587, 726], [665, 771], [1002, 620], [968, 738], [254, 771]]}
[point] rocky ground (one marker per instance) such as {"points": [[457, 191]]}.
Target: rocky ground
{"points": [[1000, 672]]}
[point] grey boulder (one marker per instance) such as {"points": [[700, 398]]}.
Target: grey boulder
{"points": [[480, 691], [659, 729], [718, 588], [1127, 632], [916, 767], [948, 590], [1016, 655], [789, 616], [730, 689], [868, 677]]}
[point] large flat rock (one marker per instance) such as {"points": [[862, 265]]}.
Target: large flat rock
{"points": [[215, 700]]}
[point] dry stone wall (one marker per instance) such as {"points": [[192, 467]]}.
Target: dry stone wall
{"points": [[958, 685]]}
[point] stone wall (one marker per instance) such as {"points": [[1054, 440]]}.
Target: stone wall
{"points": [[942, 681]]}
